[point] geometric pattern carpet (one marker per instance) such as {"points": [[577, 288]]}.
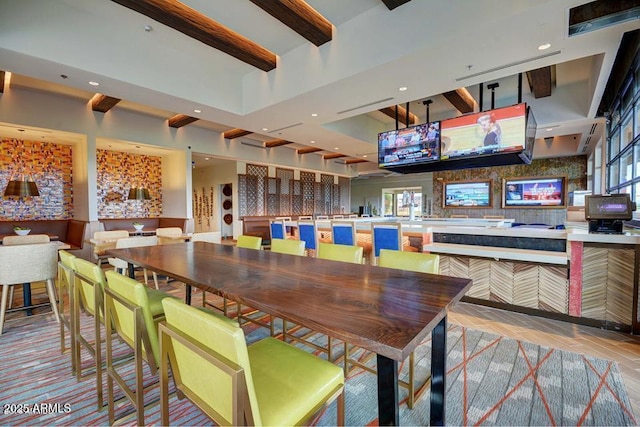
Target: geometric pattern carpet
{"points": [[491, 380]]}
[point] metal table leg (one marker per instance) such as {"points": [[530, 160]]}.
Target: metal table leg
{"points": [[26, 297], [388, 410], [438, 372], [187, 294]]}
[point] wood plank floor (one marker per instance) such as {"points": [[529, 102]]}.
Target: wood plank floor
{"points": [[611, 345], [620, 347]]}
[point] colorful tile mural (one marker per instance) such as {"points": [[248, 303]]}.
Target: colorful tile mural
{"points": [[117, 173], [49, 165]]}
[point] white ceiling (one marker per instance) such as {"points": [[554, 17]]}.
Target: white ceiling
{"points": [[427, 46]]}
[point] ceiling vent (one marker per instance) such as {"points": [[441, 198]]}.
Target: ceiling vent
{"points": [[365, 105]]}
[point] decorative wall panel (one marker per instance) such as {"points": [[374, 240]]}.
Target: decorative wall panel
{"points": [[49, 165], [117, 173], [285, 178]]}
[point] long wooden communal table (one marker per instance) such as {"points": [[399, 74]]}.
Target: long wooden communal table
{"points": [[384, 310]]}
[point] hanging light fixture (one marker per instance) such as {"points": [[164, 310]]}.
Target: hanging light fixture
{"points": [[139, 193], [24, 187]]}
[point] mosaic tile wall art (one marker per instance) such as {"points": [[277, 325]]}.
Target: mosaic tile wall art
{"points": [[117, 173], [573, 167], [49, 165]]}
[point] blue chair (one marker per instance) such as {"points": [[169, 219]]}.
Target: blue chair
{"points": [[344, 233], [388, 235], [308, 232], [277, 229]]}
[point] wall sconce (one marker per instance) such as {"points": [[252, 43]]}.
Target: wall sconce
{"points": [[21, 188], [139, 193], [24, 187]]}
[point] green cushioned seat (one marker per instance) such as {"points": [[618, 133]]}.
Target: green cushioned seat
{"points": [[155, 301], [344, 253], [278, 369], [276, 383]]}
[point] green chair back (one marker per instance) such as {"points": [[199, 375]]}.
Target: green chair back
{"points": [[66, 272], [249, 242], [90, 297], [343, 253], [410, 261], [210, 383], [133, 307], [287, 246]]}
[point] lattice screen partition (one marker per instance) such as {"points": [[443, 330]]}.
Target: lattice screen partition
{"points": [[326, 194], [308, 179], [251, 192], [273, 196], [285, 184], [296, 198]]}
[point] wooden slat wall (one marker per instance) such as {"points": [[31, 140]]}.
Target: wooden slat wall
{"points": [[543, 287], [620, 285], [594, 282]]}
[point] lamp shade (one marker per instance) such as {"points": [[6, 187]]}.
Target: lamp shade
{"points": [[21, 188], [139, 193]]}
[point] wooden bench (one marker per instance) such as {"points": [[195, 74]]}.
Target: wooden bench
{"points": [[69, 231]]}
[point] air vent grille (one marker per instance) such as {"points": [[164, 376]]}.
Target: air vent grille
{"points": [[365, 105], [593, 128], [511, 64]]}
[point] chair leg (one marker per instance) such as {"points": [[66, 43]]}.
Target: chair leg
{"points": [[11, 296], [3, 305], [155, 279], [412, 395], [340, 409], [52, 298]]}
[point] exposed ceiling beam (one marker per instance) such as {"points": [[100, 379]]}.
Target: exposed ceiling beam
{"points": [[300, 17], [103, 103], [180, 120], [235, 133], [1, 81], [461, 99], [333, 156], [276, 143], [194, 24], [308, 150], [402, 115], [540, 82], [353, 161], [392, 4]]}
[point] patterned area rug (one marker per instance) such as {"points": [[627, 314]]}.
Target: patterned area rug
{"points": [[491, 380]]}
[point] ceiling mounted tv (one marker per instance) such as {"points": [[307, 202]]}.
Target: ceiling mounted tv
{"points": [[498, 131], [538, 192], [409, 146]]}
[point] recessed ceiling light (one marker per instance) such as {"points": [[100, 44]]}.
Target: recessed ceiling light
{"points": [[313, 142], [544, 46], [549, 129], [364, 155], [206, 158], [402, 88], [337, 148], [265, 129], [197, 111], [94, 83], [314, 114]]}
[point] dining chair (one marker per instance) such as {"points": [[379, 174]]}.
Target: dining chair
{"points": [[266, 383], [339, 216], [305, 217], [104, 240], [243, 241], [322, 217], [410, 261], [352, 216], [66, 286], [308, 232], [459, 216], [133, 312], [282, 246], [249, 242], [21, 264], [344, 253], [169, 235], [89, 296], [344, 233], [207, 236], [122, 266], [493, 216], [28, 239], [388, 235]]}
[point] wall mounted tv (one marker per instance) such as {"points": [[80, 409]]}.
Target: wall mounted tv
{"points": [[409, 146], [466, 194], [537, 192], [503, 136]]}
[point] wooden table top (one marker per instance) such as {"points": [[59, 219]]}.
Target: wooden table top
{"points": [[384, 310]]}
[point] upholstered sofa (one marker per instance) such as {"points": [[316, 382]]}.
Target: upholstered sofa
{"points": [[110, 224], [70, 231]]}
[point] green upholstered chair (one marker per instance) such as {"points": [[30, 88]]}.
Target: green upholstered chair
{"points": [[243, 241], [410, 261], [66, 281], [344, 253], [288, 246], [267, 383], [249, 242], [133, 311]]}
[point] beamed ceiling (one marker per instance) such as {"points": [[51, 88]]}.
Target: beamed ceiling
{"points": [[322, 77]]}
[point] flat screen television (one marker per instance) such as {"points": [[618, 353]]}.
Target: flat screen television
{"points": [[502, 130], [466, 194], [610, 206], [535, 192], [409, 146]]}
